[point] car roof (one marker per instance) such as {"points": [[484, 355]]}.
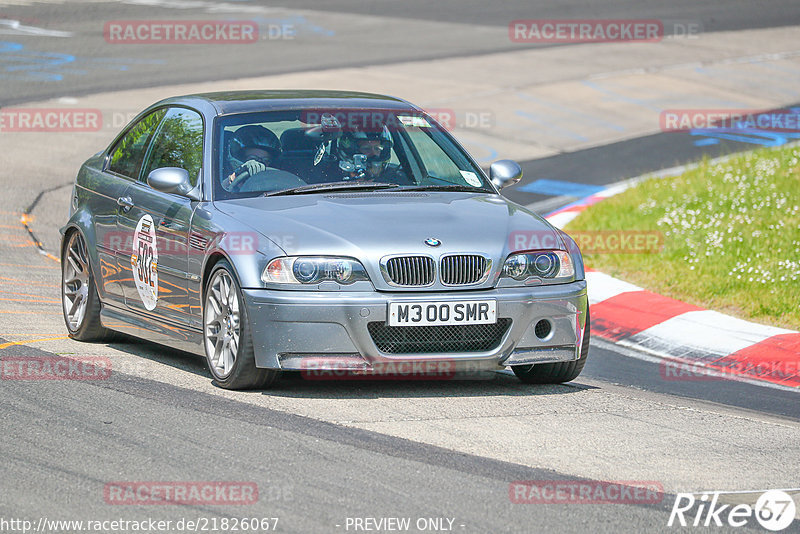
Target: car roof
{"points": [[227, 102]]}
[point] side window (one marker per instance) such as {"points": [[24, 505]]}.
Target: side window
{"points": [[127, 155], [178, 143]]}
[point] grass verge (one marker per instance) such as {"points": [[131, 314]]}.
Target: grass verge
{"points": [[731, 235]]}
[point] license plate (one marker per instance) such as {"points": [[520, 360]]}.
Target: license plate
{"points": [[442, 313]]}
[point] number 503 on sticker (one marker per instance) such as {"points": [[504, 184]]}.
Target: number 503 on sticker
{"points": [[144, 262]]}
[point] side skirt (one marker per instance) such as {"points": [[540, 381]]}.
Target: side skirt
{"points": [[164, 333]]}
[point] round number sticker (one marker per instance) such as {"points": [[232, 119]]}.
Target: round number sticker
{"points": [[144, 262], [775, 510]]}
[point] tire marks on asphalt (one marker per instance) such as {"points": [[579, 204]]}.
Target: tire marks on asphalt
{"points": [[27, 218]]}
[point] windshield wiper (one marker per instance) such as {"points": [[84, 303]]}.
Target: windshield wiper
{"points": [[453, 187], [332, 186]]}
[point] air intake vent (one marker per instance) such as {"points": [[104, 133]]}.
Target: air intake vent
{"points": [[197, 241], [443, 339], [410, 270], [463, 269]]}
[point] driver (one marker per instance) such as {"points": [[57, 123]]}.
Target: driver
{"points": [[251, 150], [366, 155]]}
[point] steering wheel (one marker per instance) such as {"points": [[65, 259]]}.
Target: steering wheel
{"points": [[239, 180], [268, 180]]}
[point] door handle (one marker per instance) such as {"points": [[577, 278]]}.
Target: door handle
{"points": [[126, 203]]}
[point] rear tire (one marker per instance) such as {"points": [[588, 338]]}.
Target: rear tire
{"points": [[555, 373], [80, 302], [227, 337]]}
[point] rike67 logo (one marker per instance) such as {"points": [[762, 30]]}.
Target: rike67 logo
{"points": [[774, 510]]}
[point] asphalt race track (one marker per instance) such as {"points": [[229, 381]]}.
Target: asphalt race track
{"points": [[327, 34], [334, 456]]}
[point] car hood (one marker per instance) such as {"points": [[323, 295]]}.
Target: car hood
{"points": [[369, 226]]}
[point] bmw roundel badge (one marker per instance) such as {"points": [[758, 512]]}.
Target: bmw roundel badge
{"points": [[432, 242]]}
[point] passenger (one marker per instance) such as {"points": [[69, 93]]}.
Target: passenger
{"points": [[365, 156]]}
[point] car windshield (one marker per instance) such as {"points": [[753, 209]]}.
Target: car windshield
{"points": [[317, 151]]}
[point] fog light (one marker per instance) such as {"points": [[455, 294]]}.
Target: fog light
{"points": [[542, 329]]}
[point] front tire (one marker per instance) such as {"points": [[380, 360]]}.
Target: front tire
{"points": [[227, 336], [559, 372], [80, 302]]}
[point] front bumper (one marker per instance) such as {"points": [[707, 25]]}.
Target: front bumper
{"points": [[297, 330]]}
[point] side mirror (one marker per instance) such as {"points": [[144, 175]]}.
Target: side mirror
{"points": [[172, 180], [505, 172]]}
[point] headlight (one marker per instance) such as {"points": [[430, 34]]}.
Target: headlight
{"points": [[516, 267], [542, 264], [313, 270]]}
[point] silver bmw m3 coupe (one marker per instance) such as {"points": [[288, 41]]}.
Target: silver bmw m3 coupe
{"points": [[317, 230]]}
